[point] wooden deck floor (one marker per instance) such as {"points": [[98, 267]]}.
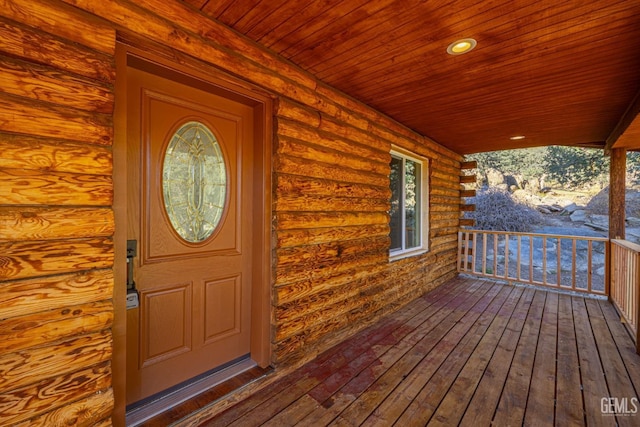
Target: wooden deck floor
{"points": [[471, 353]]}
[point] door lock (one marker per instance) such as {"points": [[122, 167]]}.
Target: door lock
{"points": [[133, 300]]}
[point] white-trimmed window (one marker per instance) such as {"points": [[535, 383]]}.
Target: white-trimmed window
{"points": [[409, 201]]}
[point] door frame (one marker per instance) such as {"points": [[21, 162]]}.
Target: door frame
{"points": [[262, 104]]}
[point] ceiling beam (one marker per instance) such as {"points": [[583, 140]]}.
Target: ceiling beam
{"points": [[626, 120]]}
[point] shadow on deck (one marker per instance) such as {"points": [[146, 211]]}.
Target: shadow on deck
{"points": [[472, 352]]}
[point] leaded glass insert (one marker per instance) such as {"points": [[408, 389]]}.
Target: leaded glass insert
{"points": [[194, 182]]}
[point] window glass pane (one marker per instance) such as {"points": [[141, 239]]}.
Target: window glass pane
{"points": [[412, 204], [396, 204], [194, 182]]}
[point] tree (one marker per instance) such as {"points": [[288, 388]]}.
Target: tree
{"points": [[523, 164], [575, 166]]}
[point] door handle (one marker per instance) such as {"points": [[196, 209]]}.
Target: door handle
{"points": [[132, 293]]}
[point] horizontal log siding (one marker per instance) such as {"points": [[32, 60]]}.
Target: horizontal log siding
{"points": [[56, 222], [333, 274], [330, 172]]}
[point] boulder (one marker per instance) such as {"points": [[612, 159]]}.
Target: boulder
{"points": [[579, 215], [601, 220], [543, 209], [494, 177], [571, 208], [633, 221]]}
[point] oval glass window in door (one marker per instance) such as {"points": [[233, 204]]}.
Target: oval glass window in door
{"points": [[194, 182]]}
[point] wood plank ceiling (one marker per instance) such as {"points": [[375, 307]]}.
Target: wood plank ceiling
{"points": [[557, 72]]}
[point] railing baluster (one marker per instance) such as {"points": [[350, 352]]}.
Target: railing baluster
{"points": [[559, 262], [474, 252], [544, 260], [475, 260], [495, 255], [506, 256], [574, 265], [519, 256], [530, 258], [589, 264], [484, 253]]}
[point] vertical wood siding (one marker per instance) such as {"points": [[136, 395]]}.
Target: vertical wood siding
{"points": [[331, 200]]}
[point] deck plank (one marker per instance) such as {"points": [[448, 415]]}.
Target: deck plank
{"points": [[624, 343], [485, 400], [426, 389], [569, 406], [311, 401], [594, 383], [620, 385], [396, 364], [513, 401], [261, 406], [541, 402], [470, 353], [458, 396]]}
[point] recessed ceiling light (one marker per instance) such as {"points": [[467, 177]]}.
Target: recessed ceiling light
{"points": [[461, 46], [517, 137]]}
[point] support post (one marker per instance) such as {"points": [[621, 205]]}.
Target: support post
{"points": [[617, 174]]}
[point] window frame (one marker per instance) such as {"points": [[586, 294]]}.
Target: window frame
{"points": [[423, 247]]}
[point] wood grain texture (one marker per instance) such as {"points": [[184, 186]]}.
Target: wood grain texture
{"points": [[331, 173], [23, 297], [51, 155], [296, 166], [56, 222], [28, 187], [289, 220], [325, 152], [349, 144], [45, 84], [297, 185], [94, 410], [29, 223], [39, 328], [22, 404], [18, 114], [34, 45], [47, 14], [33, 365], [19, 260], [299, 237]]}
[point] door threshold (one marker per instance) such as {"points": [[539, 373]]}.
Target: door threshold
{"points": [[157, 405]]}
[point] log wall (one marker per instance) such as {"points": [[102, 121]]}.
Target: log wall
{"points": [[56, 221], [332, 274]]}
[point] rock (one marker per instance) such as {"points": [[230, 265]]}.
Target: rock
{"points": [[596, 226], [543, 210], [494, 177], [579, 216], [571, 208], [633, 221], [601, 220], [633, 234]]}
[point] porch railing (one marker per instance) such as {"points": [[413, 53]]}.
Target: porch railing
{"points": [[625, 283], [573, 263]]}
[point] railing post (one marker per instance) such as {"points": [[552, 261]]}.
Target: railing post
{"points": [[459, 251], [608, 269], [637, 301]]}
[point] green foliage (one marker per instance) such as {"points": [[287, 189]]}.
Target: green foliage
{"points": [[527, 163], [633, 167], [574, 166], [568, 166]]}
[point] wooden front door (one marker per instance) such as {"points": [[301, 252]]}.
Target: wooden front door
{"points": [[190, 195]]}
